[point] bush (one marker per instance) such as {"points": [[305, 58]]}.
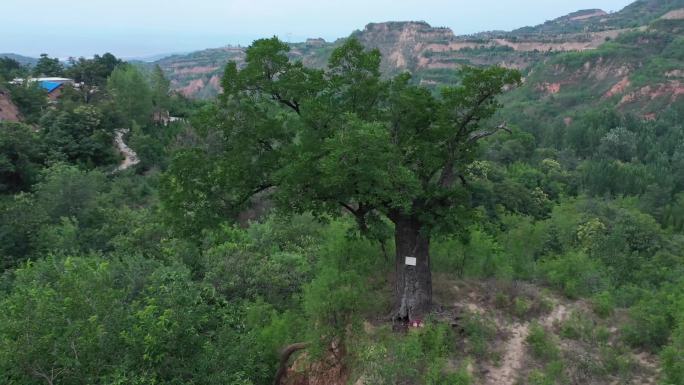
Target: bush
{"points": [[552, 374], [418, 357], [577, 327], [21, 157], [521, 306], [616, 361], [479, 333], [479, 256], [650, 324], [333, 301], [655, 316], [671, 356], [603, 304], [243, 274], [541, 344], [133, 321], [575, 274]]}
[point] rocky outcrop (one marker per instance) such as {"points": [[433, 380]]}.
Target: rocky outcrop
{"points": [[402, 43], [618, 88], [671, 92]]}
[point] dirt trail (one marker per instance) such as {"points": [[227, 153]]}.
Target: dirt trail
{"points": [[514, 351], [558, 315], [513, 358], [509, 360], [130, 157]]}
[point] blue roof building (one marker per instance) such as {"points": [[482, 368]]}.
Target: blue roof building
{"points": [[50, 86]]}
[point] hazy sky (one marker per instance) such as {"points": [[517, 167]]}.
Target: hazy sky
{"points": [[131, 28]]}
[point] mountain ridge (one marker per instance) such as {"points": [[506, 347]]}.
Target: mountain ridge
{"points": [[23, 60], [431, 53]]}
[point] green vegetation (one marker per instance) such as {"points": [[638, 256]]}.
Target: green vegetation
{"points": [[341, 139], [47, 66], [420, 357], [10, 69], [541, 345], [281, 215]]}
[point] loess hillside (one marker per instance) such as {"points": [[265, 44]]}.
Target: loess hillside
{"points": [[431, 53]]}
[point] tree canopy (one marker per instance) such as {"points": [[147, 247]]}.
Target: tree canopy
{"points": [[131, 95], [47, 66], [344, 137]]}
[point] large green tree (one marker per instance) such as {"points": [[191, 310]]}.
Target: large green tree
{"points": [[340, 139], [10, 68], [131, 95], [48, 66], [92, 73], [78, 136], [161, 89], [21, 157], [30, 98]]}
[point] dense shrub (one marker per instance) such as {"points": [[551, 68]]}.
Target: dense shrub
{"points": [[574, 274], [133, 321], [541, 344]]}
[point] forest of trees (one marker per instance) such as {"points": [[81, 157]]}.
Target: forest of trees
{"points": [[302, 203]]}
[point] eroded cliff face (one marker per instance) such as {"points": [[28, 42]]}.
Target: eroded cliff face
{"points": [[198, 74], [405, 46], [416, 46], [8, 111], [432, 53], [638, 73]]}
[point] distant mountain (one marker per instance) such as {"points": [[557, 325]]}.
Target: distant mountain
{"points": [[637, 14], [576, 22], [198, 74], [152, 58], [431, 54], [21, 59]]}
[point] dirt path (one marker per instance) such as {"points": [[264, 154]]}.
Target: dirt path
{"points": [[514, 355], [515, 349], [511, 362], [558, 315], [130, 157]]}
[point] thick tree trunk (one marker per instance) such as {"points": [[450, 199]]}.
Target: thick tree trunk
{"points": [[413, 291]]}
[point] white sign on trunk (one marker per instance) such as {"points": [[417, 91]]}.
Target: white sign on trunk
{"points": [[411, 261]]}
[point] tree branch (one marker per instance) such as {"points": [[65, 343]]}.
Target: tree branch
{"points": [[293, 104], [348, 208], [447, 176], [471, 114], [447, 169], [359, 214], [474, 137], [254, 192]]}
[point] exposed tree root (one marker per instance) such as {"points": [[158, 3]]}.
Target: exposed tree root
{"points": [[285, 357]]}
